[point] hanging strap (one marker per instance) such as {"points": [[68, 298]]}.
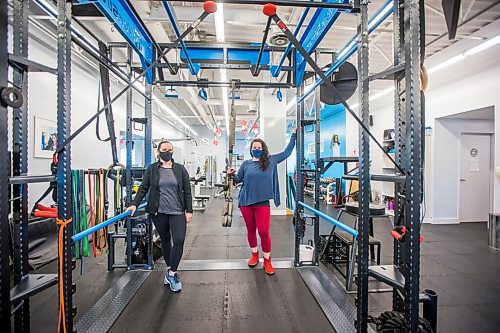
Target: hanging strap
{"points": [[84, 213], [76, 211], [106, 98], [97, 121]]}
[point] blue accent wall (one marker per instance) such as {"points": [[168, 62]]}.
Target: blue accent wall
{"points": [[333, 121]]}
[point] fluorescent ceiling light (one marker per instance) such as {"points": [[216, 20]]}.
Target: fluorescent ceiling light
{"points": [[446, 63], [380, 16], [49, 9], [376, 96], [139, 86], [483, 46], [165, 108], [293, 102], [221, 38], [346, 49], [475, 50], [219, 23]]}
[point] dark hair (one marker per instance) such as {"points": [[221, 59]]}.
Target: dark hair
{"points": [[163, 142], [264, 160]]}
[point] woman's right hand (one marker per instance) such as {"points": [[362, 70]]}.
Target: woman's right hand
{"points": [[132, 208], [230, 171]]}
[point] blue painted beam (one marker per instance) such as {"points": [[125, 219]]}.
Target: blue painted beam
{"points": [[193, 69], [234, 56], [317, 29], [352, 46], [129, 26]]}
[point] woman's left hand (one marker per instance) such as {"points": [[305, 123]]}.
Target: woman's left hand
{"points": [[189, 216], [294, 130]]}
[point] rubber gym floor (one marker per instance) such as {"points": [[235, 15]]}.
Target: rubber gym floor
{"points": [[456, 262]]}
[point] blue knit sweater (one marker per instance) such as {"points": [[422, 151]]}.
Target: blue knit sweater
{"points": [[259, 185]]}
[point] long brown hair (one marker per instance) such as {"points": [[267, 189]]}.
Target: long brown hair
{"points": [[264, 160]]}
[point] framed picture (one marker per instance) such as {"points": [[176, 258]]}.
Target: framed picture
{"points": [[45, 138]]}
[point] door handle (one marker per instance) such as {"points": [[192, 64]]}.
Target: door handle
{"points": [[462, 180]]}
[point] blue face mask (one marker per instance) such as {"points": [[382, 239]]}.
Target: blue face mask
{"points": [[258, 153]]}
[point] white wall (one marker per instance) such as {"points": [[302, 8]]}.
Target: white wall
{"points": [[196, 154], [87, 151], [445, 165], [470, 84]]}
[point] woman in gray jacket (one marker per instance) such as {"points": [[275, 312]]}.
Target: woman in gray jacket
{"points": [[169, 205]]}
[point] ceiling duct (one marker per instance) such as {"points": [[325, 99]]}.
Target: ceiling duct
{"points": [[277, 37]]}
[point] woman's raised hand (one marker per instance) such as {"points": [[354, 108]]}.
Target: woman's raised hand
{"points": [[230, 171]]}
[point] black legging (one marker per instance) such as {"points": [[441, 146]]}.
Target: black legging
{"points": [[167, 226]]}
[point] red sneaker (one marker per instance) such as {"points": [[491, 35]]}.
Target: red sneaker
{"points": [[268, 267], [254, 259]]}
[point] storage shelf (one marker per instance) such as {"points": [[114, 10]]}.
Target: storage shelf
{"points": [[31, 285], [389, 274]]}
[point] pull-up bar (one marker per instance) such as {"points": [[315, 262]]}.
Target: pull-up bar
{"points": [[104, 224], [283, 3], [330, 219]]}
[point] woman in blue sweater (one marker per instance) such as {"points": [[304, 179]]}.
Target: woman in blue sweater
{"points": [[260, 184]]}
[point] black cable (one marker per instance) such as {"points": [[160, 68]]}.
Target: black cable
{"points": [[256, 70]]}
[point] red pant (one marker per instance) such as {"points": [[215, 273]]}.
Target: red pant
{"points": [[258, 218]]}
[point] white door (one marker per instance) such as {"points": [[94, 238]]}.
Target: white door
{"points": [[475, 173]]}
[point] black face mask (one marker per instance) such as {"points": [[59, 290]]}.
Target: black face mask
{"points": [[166, 155]]}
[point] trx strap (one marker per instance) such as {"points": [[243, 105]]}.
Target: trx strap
{"points": [[104, 86], [227, 213]]}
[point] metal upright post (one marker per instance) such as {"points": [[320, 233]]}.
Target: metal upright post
{"points": [[300, 181], [148, 159], [400, 132], [318, 167], [64, 201], [5, 321], [364, 171], [412, 163], [129, 147], [148, 132], [20, 161]]}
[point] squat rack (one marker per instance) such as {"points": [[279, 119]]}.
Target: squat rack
{"points": [[409, 53], [408, 150]]}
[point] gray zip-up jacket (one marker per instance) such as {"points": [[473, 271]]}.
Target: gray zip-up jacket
{"points": [[150, 183]]}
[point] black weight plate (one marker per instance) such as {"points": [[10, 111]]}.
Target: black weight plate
{"points": [[345, 81], [11, 97]]}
